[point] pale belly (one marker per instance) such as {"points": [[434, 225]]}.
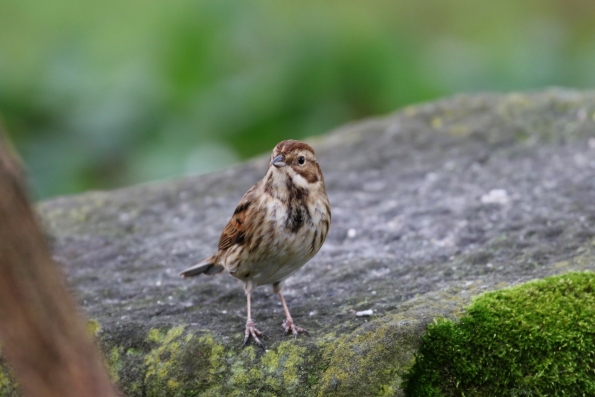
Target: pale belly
{"points": [[274, 261]]}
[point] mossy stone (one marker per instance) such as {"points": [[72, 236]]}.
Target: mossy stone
{"points": [[535, 339], [416, 233]]}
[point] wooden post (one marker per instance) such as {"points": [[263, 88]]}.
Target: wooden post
{"points": [[41, 333]]}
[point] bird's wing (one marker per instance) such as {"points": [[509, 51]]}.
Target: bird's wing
{"points": [[234, 231]]}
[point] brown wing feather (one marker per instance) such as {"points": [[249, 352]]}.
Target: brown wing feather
{"points": [[234, 231], [232, 234]]}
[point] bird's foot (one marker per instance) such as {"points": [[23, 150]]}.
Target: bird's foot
{"points": [[253, 333], [290, 327]]}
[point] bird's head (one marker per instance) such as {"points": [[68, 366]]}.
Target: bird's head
{"points": [[296, 161]]}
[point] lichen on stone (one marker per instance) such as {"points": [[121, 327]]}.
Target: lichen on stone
{"points": [[93, 327], [8, 383]]}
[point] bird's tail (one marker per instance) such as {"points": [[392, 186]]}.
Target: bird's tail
{"points": [[207, 267]]}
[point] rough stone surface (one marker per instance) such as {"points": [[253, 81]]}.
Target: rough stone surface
{"points": [[431, 206]]}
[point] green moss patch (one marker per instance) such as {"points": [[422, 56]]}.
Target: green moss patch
{"points": [[534, 339]]}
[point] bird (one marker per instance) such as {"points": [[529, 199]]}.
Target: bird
{"points": [[278, 226]]}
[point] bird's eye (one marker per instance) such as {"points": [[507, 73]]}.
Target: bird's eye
{"points": [[301, 160]]}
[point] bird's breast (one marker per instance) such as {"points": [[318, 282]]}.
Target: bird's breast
{"points": [[285, 240]]}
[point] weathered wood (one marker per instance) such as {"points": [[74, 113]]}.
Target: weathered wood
{"points": [[42, 335]]}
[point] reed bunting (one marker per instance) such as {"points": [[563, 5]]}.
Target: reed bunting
{"points": [[278, 226]]}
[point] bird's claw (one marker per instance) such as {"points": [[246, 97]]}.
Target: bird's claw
{"points": [[253, 333], [290, 327]]}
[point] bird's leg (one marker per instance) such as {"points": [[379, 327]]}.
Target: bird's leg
{"points": [[251, 331], [288, 324]]}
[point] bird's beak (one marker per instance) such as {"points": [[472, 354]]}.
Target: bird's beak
{"points": [[279, 161]]}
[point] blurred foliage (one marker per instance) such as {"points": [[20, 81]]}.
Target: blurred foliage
{"points": [[105, 94]]}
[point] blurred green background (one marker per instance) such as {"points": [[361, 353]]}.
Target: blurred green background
{"points": [[101, 94]]}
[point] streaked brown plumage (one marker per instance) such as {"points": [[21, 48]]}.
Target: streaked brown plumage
{"points": [[280, 224]]}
